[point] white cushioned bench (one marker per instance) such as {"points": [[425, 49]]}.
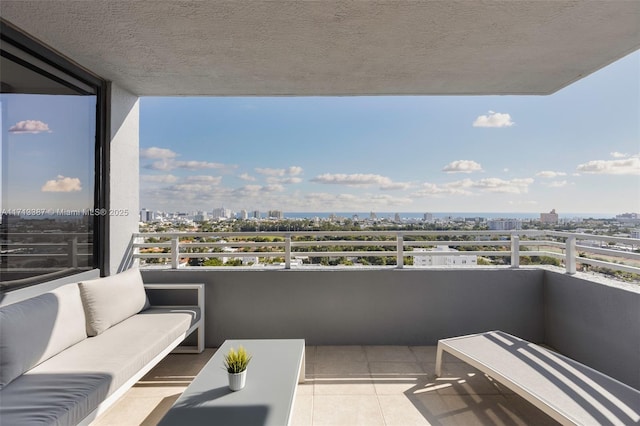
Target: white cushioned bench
{"points": [[68, 354], [569, 392]]}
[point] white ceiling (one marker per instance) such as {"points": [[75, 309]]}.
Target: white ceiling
{"points": [[331, 47]]}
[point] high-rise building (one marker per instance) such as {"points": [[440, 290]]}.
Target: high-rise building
{"points": [[243, 214], [147, 215], [551, 217], [256, 214], [427, 217]]}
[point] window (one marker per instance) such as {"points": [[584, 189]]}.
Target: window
{"points": [[51, 165]]}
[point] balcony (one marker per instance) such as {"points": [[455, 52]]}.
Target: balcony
{"points": [[354, 385], [371, 331]]}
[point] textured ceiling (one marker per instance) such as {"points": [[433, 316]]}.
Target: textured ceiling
{"points": [[335, 47]]}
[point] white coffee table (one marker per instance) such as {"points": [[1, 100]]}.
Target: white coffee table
{"points": [[276, 367]]}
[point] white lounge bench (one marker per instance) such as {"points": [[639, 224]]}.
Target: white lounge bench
{"points": [[569, 392], [68, 354]]}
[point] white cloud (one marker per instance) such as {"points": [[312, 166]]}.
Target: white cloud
{"points": [[270, 172], [462, 166], [344, 202], [627, 166], [159, 178], [29, 126], [453, 188], [558, 184], [294, 171], [291, 171], [550, 174], [247, 177], [616, 154], [359, 179], [212, 180], [156, 153], [493, 119], [513, 186], [62, 184], [284, 180], [171, 164], [273, 188]]}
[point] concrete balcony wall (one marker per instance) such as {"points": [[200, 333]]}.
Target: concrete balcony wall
{"points": [[594, 323], [365, 307]]}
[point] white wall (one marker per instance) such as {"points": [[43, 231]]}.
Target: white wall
{"points": [[124, 177]]}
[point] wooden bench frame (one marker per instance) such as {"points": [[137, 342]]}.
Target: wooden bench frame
{"points": [[569, 392]]}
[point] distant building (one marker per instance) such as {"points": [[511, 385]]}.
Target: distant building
{"points": [[628, 218], [551, 217], [276, 214], [221, 213], [243, 215], [505, 224], [373, 216], [423, 257], [396, 218], [635, 233], [255, 214], [147, 215], [200, 217], [427, 217]]}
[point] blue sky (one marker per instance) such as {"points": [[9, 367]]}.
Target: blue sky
{"points": [[576, 151], [49, 152]]}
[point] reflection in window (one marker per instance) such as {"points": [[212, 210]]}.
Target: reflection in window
{"points": [[47, 149]]}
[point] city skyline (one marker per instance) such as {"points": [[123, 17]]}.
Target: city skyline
{"points": [[575, 151]]}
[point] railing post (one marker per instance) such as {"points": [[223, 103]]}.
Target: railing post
{"points": [[175, 252], [73, 252], [515, 251], [400, 250], [287, 251], [570, 255]]}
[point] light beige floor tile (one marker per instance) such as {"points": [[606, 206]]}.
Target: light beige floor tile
{"points": [[305, 388], [398, 410], [481, 410], [309, 369], [433, 408], [424, 353], [395, 368], [153, 391], [310, 354], [302, 410], [343, 386], [346, 368], [339, 354], [400, 385], [390, 353], [136, 411], [346, 410], [529, 414]]}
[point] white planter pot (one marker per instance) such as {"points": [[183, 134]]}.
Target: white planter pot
{"points": [[237, 380]]}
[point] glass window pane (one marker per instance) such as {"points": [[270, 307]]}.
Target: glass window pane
{"points": [[47, 167]]}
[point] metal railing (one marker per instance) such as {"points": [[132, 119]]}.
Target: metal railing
{"points": [[68, 249], [511, 245]]}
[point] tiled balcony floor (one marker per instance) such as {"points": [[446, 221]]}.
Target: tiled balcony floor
{"points": [[353, 385]]}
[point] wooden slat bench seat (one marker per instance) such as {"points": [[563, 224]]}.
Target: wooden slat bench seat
{"points": [[569, 392]]}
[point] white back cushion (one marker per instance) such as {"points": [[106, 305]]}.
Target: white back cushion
{"points": [[35, 329], [108, 301]]}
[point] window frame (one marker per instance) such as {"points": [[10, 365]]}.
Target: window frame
{"points": [[52, 64]]}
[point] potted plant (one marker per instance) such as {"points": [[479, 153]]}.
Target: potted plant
{"points": [[236, 364]]}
